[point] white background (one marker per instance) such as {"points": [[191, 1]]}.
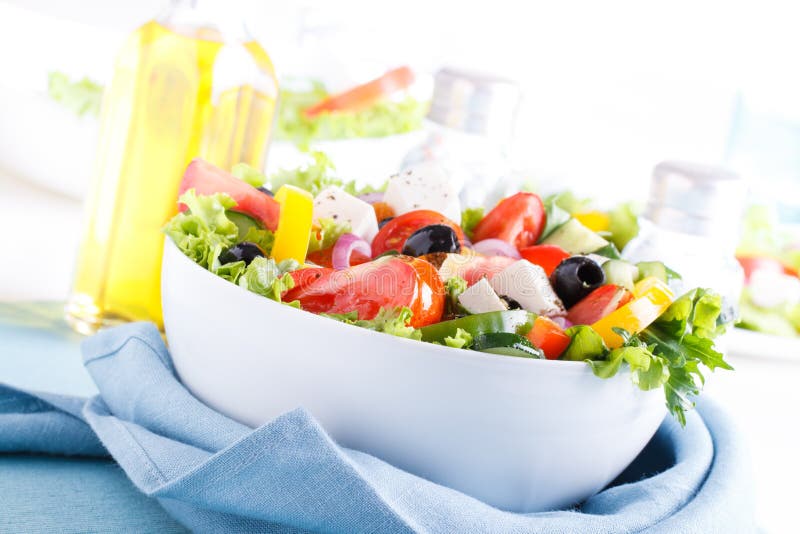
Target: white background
{"points": [[611, 88]]}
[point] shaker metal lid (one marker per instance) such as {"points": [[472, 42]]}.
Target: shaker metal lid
{"points": [[696, 199], [474, 102]]}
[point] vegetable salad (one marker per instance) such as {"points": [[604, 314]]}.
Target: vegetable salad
{"points": [[522, 279]]}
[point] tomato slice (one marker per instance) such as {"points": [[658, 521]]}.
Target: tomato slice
{"points": [[545, 256], [324, 258], [364, 95], [385, 283], [549, 337], [206, 179], [518, 219], [394, 233], [473, 267], [599, 303], [302, 279]]}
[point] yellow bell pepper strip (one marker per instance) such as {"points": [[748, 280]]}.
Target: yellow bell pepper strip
{"points": [[651, 298], [596, 221], [294, 223]]}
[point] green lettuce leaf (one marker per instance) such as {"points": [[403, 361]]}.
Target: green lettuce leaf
{"points": [[586, 344], [268, 278], [316, 175], [569, 202], [462, 339], [249, 174], [327, 234], [203, 231], [82, 97], [392, 321], [470, 218]]}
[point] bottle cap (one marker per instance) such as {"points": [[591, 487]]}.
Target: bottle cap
{"points": [[696, 199], [474, 103]]}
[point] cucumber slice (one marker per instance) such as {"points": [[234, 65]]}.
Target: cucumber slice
{"points": [[506, 344], [575, 238], [243, 222], [621, 273], [652, 268]]}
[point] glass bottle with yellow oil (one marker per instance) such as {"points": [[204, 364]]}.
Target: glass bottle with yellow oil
{"points": [[191, 83]]}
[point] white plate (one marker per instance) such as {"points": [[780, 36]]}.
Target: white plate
{"points": [[751, 344], [520, 434]]}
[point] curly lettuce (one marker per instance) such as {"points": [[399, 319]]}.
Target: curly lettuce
{"points": [[82, 97], [393, 321], [667, 354], [326, 234]]}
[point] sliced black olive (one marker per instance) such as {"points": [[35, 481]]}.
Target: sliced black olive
{"points": [[265, 190], [384, 221], [432, 238], [511, 303], [244, 251], [576, 277]]}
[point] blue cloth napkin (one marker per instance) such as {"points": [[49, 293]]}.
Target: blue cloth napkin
{"points": [[216, 475]]}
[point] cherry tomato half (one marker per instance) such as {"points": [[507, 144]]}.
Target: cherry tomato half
{"points": [[394, 233], [599, 303], [389, 282], [545, 256], [518, 219]]}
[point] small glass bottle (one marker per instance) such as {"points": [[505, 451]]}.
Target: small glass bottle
{"points": [[192, 83], [470, 127], [692, 224]]}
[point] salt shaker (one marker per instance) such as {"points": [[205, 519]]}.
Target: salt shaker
{"points": [[470, 126], [692, 223]]}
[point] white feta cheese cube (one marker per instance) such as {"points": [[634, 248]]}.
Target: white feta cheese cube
{"points": [[481, 298], [423, 187], [528, 284], [334, 203]]}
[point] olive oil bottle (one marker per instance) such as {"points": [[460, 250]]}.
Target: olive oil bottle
{"points": [[191, 83]]}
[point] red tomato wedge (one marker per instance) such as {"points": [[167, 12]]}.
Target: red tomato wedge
{"points": [[599, 303], [206, 179], [324, 258], [364, 95], [518, 219], [549, 337], [751, 264], [472, 267], [545, 256], [394, 233], [385, 283]]}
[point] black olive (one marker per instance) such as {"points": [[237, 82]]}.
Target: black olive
{"points": [[511, 303], [244, 251], [576, 277], [384, 221], [432, 238], [265, 190]]}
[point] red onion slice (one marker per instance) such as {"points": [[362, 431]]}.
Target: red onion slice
{"points": [[563, 322], [372, 198], [496, 247], [344, 247]]}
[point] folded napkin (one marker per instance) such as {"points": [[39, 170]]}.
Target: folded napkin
{"points": [[216, 475]]}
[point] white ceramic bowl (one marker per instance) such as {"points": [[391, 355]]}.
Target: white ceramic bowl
{"points": [[522, 435]]}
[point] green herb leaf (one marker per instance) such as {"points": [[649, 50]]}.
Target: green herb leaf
{"points": [[586, 344], [462, 339], [392, 321]]}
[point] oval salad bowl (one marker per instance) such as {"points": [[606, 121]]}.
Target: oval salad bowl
{"points": [[520, 434]]}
